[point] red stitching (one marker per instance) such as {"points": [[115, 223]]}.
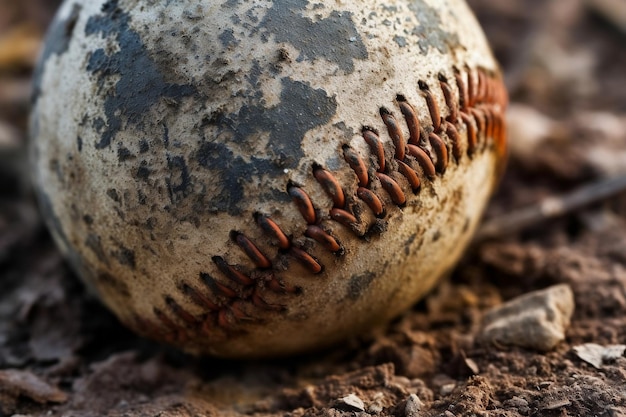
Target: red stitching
{"points": [[303, 202], [306, 260], [394, 132], [451, 103], [433, 107], [270, 227], [472, 140], [198, 297], [472, 87], [424, 161], [441, 152], [455, 140], [462, 88], [372, 200], [356, 163], [376, 146], [479, 119], [344, 217], [180, 312], [170, 331], [237, 310], [251, 250], [393, 189], [410, 175], [217, 287], [424, 154], [330, 185], [260, 302], [412, 122], [322, 237], [281, 287], [232, 273], [225, 319]]}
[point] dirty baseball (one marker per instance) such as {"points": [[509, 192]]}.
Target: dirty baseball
{"points": [[253, 179]]}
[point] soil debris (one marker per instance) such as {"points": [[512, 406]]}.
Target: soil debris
{"points": [[62, 353]]}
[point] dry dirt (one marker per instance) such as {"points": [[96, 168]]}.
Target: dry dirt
{"points": [[62, 354]]}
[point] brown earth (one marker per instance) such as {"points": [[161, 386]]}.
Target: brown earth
{"points": [[62, 354]]}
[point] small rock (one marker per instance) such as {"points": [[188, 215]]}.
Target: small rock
{"points": [[517, 403], [544, 384], [447, 389], [440, 380], [376, 406], [597, 355], [556, 404], [350, 403], [537, 320], [413, 406], [528, 129]]}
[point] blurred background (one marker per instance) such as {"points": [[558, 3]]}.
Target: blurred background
{"points": [[565, 68]]}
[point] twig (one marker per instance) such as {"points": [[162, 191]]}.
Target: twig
{"points": [[612, 11], [551, 207]]}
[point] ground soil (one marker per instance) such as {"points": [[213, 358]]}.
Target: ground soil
{"points": [[63, 354]]}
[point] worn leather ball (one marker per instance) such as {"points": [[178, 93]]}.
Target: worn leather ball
{"points": [[260, 178]]}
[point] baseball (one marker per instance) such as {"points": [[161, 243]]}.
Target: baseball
{"points": [[263, 178]]}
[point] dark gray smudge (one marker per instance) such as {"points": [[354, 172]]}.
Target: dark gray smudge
{"points": [[125, 256], [358, 284], [333, 38], [409, 243], [400, 40], [94, 243], [301, 108], [227, 38], [141, 84], [179, 180], [429, 29]]}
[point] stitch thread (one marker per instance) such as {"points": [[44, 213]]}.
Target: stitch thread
{"points": [[476, 110]]}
